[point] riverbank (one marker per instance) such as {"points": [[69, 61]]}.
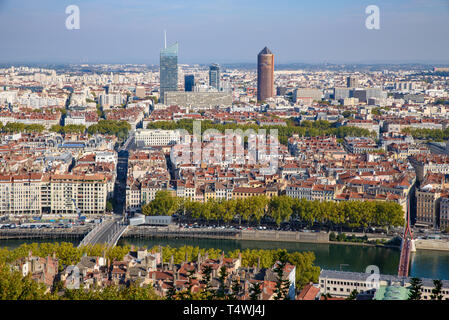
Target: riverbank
{"points": [[431, 244], [147, 232], [75, 233], [365, 244], [203, 233]]}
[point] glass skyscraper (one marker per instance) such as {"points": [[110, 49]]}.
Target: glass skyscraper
{"points": [[214, 76], [168, 70], [189, 82]]}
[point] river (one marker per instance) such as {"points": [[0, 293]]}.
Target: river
{"points": [[425, 263]]}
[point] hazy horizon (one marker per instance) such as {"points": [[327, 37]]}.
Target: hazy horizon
{"points": [[224, 31]]}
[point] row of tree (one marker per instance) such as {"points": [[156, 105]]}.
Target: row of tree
{"points": [[305, 128], [12, 127], [70, 128], [113, 127], [118, 128], [415, 292], [280, 209], [428, 134], [64, 251]]}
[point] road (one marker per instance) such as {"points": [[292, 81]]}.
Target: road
{"points": [[102, 235], [122, 173], [108, 232]]}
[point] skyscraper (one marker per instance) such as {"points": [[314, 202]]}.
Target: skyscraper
{"points": [[189, 82], [168, 69], [265, 74], [352, 82], [214, 76]]}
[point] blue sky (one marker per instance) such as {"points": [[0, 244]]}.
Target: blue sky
{"points": [[225, 31]]}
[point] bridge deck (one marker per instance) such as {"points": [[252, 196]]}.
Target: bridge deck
{"points": [[404, 260], [109, 232]]}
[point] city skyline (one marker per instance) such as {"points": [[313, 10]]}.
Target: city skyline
{"points": [[299, 32]]}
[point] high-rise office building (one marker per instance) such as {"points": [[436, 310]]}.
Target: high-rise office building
{"points": [[265, 74], [352, 82], [214, 76], [189, 82], [168, 70]]}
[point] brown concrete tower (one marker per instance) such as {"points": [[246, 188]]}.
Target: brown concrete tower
{"points": [[265, 74]]}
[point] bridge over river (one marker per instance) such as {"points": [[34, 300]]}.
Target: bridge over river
{"points": [[107, 232]]}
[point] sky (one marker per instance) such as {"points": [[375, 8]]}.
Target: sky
{"points": [[225, 31]]}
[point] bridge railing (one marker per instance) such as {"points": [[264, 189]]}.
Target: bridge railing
{"points": [[92, 232], [117, 231]]}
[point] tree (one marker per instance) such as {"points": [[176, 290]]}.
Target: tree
{"points": [[13, 286], [258, 205], [437, 290], [327, 296], [171, 293], [118, 128], [255, 291], [353, 295], [244, 210], [280, 209], [163, 204], [207, 276], [347, 114], [282, 285], [415, 289], [306, 271], [12, 127], [222, 275], [236, 288], [109, 206]]}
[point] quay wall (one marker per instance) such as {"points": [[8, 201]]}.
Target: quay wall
{"points": [[257, 235], [42, 234], [431, 244]]}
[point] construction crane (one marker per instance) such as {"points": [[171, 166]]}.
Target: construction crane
{"points": [[78, 211]]}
